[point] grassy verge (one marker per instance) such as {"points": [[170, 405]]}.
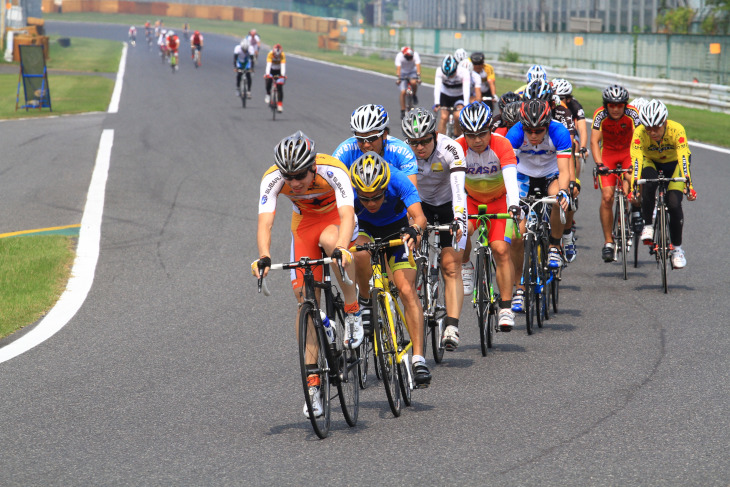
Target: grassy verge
{"points": [[86, 55], [33, 274], [701, 125]]}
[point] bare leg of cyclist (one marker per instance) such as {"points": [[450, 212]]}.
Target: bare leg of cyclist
{"points": [[405, 281], [606, 212], [454, 288], [518, 255], [328, 240], [505, 268], [443, 120], [312, 348], [457, 125]]}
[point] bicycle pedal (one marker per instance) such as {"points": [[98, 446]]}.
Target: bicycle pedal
{"points": [[421, 386]]}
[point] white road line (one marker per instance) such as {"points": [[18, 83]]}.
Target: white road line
{"points": [[87, 255], [117, 93]]}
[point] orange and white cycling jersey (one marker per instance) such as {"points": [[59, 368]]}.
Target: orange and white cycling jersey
{"points": [[484, 178], [330, 189]]}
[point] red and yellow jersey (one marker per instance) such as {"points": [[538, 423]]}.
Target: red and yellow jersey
{"points": [[484, 181], [672, 147], [173, 42], [330, 189], [616, 134], [276, 61]]}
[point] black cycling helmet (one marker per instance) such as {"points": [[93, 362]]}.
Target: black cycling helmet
{"points": [[477, 58], [615, 94], [511, 114], [508, 98], [535, 114]]}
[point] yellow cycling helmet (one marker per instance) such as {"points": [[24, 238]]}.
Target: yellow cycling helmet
{"points": [[370, 173]]}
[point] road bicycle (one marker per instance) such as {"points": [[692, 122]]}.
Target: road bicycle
{"points": [[391, 345], [196, 57], [274, 97], [173, 61], [244, 85], [484, 299], [430, 285], [410, 96], [661, 247], [335, 364], [623, 237], [539, 281], [450, 129]]}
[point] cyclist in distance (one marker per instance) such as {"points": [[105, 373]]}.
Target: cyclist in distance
{"points": [[147, 29], [133, 35], [503, 101], [460, 54], [196, 43], [509, 116], [323, 216], [536, 71], [407, 71], [441, 170], [275, 67], [660, 144], [451, 89], [613, 128], [173, 44], [564, 89], [242, 62], [491, 179], [162, 41], [542, 146], [384, 201], [369, 125], [475, 82], [486, 74], [254, 45]]}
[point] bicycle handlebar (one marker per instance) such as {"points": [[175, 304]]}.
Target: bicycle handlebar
{"points": [[453, 228], [548, 200], [661, 179], [303, 262]]}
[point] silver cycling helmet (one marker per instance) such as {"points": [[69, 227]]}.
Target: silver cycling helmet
{"points": [[295, 153], [368, 118], [562, 87], [418, 123], [653, 114], [539, 89], [511, 113], [615, 94], [638, 103], [475, 117]]}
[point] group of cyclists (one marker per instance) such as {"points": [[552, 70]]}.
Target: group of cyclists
{"points": [[245, 56], [168, 42], [375, 185]]}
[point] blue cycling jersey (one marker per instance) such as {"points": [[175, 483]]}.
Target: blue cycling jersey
{"points": [[395, 152], [400, 194], [540, 160]]}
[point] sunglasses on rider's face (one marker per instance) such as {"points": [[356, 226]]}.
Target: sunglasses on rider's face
{"points": [[295, 177], [478, 135], [421, 142], [535, 131], [370, 138], [365, 199], [615, 105]]}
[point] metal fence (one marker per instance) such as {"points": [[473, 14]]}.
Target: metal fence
{"points": [[696, 95], [663, 56], [280, 5]]}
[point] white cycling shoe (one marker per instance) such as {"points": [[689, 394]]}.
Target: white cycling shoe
{"points": [[647, 234], [450, 340], [354, 331], [678, 259], [316, 402]]}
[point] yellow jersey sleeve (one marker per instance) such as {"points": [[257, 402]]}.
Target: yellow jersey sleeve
{"points": [[490, 71]]}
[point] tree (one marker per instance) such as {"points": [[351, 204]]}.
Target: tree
{"points": [[676, 20], [718, 21]]}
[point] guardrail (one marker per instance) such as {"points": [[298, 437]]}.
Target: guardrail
{"points": [[707, 96]]}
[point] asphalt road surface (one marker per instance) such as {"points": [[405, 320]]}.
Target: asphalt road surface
{"points": [[176, 372]]}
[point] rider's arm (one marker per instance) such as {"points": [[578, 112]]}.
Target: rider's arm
{"points": [[437, 84], [639, 140], [580, 126], [596, 138], [268, 68], [457, 177], [507, 159], [263, 235], [283, 66], [683, 153], [465, 86]]}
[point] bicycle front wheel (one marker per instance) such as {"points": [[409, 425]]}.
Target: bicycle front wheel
{"points": [[348, 388], [244, 91], [528, 279], [313, 361], [540, 264], [404, 372], [623, 232], [663, 246], [274, 100], [363, 365], [436, 290], [385, 350], [483, 302]]}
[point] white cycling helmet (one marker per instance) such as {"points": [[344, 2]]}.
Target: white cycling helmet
{"points": [[245, 44], [170, 33], [562, 87], [467, 64], [368, 118], [653, 114], [638, 103], [460, 54], [536, 71]]}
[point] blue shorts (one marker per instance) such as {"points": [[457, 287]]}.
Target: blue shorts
{"points": [[529, 185]]}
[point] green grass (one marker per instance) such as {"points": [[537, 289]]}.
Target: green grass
{"points": [[87, 55], [69, 94], [33, 274]]}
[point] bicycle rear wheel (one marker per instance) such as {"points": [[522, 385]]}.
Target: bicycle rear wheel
{"points": [[312, 339], [363, 365], [540, 263], [348, 388], [409, 99], [386, 350], [555, 290]]}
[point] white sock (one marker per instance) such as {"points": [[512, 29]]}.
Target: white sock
{"points": [[678, 247], [418, 358]]}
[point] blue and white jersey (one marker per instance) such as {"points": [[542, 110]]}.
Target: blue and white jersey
{"points": [[540, 160], [400, 194], [395, 152]]}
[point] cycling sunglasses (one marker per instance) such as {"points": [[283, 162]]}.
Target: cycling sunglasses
{"points": [[422, 142], [535, 131], [295, 177], [477, 135], [365, 199], [370, 138]]}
